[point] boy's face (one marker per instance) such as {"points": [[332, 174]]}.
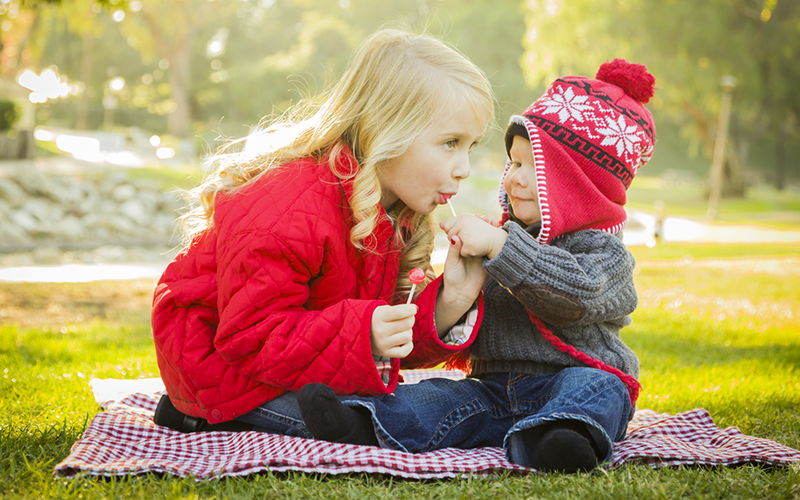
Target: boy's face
{"points": [[520, 182]]}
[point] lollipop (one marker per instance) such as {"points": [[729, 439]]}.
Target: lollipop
{"points": [[451, 207], [417, 276]]}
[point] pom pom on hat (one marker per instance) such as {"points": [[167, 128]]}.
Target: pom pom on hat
{"points": [[633, 78]]}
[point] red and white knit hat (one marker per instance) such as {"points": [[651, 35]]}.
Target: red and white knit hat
{"points": [[589, 138]]}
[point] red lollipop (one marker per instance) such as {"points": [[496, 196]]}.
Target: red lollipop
{"points": [[417, 276]]}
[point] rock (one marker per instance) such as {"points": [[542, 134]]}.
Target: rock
{"points": [[117, 224], [135, 210], [172, 202], [166, 224], [5, 207], [43, 209], [11, 192], [32, 181], [70, 228], [24, 220], [105, 207], [123, 192], [65, 191], [35, 207], [12, 234], [150, 198]]}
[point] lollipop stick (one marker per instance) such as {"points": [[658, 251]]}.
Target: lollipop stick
{"points": [[451, 207], [411, 293]]}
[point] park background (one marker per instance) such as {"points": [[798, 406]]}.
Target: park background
{"points": [[107, 108]]}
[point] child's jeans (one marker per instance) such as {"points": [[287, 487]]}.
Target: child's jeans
{"points": [[504, 409]]}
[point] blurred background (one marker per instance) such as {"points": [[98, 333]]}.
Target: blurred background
{"points": [[108, 106]]}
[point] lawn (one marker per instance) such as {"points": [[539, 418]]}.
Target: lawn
{"points": [[717, 328]]}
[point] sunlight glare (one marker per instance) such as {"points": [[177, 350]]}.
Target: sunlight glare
{"points": [[80, 147], [117, 84], [165, 153]]}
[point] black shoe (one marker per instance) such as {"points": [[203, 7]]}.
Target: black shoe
{"points": [[565, 446], [327, 419], [168, 416]]}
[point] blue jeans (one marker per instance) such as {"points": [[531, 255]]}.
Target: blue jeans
{"points": [[278, 416], [504, 409]]}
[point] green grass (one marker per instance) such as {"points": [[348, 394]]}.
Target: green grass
{"points": [[717, 332], [694, 251], [761, 205]]}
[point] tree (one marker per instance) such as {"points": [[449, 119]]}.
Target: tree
{"points": [[688, 46], [19, 19], [222, 65], [169, 28]]}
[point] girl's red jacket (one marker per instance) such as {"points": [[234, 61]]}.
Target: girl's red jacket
{"points": [[274, 296]]}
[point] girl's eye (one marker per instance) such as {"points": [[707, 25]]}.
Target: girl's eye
{"points": [[472, 146], [451, 144]]}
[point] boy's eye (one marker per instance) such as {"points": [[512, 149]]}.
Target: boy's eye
{"points": [[515, 164]]}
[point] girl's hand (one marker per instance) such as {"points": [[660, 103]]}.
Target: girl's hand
{"points": [[391, 331], [479, 236], [489, 220], [463, 280]]}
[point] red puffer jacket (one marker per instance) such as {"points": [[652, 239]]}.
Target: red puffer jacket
{"points": [[275, 296]]}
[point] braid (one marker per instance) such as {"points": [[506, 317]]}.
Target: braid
{"points": [[632, 384]]}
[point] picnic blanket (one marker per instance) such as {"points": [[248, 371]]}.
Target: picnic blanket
{"points": [[123, 440]]}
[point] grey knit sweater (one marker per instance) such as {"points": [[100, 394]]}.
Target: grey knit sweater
{"points": [[580, 285]]}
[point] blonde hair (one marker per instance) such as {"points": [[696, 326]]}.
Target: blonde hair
{"points": [[397, 85]]}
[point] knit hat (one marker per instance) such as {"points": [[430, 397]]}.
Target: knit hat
{"points": [[589, 138]]}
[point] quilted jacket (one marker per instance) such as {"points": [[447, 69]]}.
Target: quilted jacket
{"points": [[274, 296]]}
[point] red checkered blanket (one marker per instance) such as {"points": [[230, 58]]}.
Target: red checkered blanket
{"points": [[124, 440]]}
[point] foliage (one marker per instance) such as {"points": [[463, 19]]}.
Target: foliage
{"points": [[688, 46], [250, 59], [9, 114], [722, 338], [225, 65]]}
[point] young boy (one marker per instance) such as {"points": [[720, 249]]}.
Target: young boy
{"points": [[550, 378]]}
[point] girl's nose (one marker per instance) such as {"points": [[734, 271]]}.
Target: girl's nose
{"points": [[462, 168]]}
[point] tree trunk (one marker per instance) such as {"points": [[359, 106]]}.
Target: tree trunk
{"points": [[780, 156], [703, 127], [23, 43], [82, 122], [733, 181], [177, 51], [179, 121]]}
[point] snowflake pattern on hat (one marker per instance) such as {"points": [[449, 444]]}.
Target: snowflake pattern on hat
{"points": [[565, 104], [618, 134], [597, 120]]}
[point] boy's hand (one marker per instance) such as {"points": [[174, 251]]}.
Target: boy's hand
{"points": [[478, 236], [391, 331]]}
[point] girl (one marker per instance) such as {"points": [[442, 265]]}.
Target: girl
{"points": [[302, 239]]}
